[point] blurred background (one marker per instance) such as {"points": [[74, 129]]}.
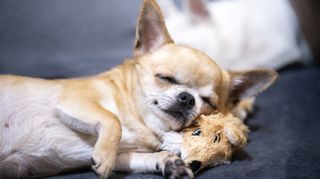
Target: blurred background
{"points": [[239, 34], [59, 39], [75, 38], [55, 39]]}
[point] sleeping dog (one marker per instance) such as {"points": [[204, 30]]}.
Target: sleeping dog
{"points": [[115, 120]]}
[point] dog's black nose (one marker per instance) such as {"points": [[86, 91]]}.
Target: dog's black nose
{"points": [[195, 165], [186, 100]]}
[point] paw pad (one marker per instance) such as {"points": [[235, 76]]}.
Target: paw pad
{"points": [[176, 169]]}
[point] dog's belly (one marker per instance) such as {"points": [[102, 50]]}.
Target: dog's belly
{"points": [[32, 140]]}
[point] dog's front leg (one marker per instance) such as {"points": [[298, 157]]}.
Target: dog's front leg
{"points": [[91, 118], [170, 165]]}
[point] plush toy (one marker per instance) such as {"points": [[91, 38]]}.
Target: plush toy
{"points": [[209, 142]]}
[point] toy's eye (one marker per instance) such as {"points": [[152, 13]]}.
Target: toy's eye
{"points": [[197, 132], [167, 78], [217, 138]]}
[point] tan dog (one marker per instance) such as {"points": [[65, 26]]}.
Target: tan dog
{"points": [[209, 142], [50, 126]]}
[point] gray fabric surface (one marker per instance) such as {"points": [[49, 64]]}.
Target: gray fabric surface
{"points": [[61, 38]]}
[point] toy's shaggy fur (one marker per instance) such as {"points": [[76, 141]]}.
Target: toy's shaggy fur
{"points": [[219, 137]]}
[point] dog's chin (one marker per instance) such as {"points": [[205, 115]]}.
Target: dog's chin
{"points": [[181, 119]]}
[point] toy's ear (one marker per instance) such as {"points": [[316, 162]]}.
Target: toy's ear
{"points": [[151, 31], [237, 137], [248, 84]]}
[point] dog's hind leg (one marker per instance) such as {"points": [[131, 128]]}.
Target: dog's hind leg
{"points": [[170, 165]]}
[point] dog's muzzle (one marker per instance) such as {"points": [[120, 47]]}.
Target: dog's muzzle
{"points": [[182, 107], [185, 101]]}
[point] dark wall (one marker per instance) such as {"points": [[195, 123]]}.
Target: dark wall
{"points": [[64, 38]]}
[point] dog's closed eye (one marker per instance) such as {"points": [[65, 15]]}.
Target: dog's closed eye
{"points": [[167, 78], [197, 132], [208, 102]]}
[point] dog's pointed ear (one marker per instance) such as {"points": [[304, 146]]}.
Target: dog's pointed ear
{"points": [[151, 31], [248, 84]]}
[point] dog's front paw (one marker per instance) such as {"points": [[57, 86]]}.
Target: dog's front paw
{"points": [[175, 168], [103, 163]]}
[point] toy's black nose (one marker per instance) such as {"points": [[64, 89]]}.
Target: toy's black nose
{"points": [[195, 165], [186, 100]]}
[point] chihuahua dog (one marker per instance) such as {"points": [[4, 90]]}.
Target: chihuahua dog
{"points": [[115, 120]]}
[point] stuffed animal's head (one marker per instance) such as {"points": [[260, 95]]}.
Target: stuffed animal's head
{"points": [[209, 142], [212, 140]]}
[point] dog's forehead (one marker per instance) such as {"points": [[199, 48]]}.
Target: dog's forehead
{"points": [[189, 64]]}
